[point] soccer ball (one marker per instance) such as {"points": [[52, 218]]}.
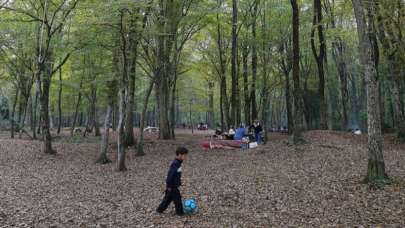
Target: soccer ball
{"points": [[189, 206]]}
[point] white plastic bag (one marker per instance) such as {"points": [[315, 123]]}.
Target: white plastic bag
{"points": [[253, 145]]}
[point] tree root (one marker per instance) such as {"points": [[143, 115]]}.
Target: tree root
{"points": [[379, 183]]}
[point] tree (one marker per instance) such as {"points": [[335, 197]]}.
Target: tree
{"points": [[265, 59], [246, 91], [103, 158], [339, 56], [130, 98], [366, 31], [320, 60], [52, 17], [222, 46], [135, 34], [140, 151], [286, 66], [122, 81], [296, 137], [391, 44], [254, 113], [79, 100], [234, 74], [60, 101], [172, 27]]}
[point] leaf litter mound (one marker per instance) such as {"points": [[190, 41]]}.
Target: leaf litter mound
{"points": [[312, 185]]}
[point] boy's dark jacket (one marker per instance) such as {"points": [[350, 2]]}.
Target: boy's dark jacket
{"points": [[173, 179]]}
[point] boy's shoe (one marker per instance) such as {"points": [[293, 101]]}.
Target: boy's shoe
{"points": [[159, 212], [180, 214]]}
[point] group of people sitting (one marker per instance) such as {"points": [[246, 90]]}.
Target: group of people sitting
{"points": [[253, 132]]}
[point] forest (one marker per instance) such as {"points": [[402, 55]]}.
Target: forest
{"points": [[95, 96]]}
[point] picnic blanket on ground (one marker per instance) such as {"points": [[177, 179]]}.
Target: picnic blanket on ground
{"points": [[222, 144]]}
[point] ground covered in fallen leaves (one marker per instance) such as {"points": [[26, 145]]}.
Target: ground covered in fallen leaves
{"points": [[317, 184]]}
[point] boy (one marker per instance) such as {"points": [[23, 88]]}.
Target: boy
{"points": [[173, 182]]}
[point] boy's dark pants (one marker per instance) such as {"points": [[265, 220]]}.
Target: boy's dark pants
{"points": [[171, 195]]}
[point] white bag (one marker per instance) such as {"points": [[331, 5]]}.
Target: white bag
{"points": [[253, 145]]}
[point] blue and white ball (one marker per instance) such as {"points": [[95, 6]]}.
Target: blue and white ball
{"points": [[189, 206]]}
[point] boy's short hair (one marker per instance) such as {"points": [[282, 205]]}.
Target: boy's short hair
{"points": [[181, 150]]}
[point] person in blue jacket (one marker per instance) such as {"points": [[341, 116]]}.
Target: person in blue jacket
{"points": [[240, 133], [173, 182]]}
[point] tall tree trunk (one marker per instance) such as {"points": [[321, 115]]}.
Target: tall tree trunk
{"points": [[162, 72], [211, 117], [355, 109], [224, 102], [246, 93], [320, 59], [37, 119], [154, 119], [111, 93], [365, 29], [44, 100], [178, 114], [238, 92], [19, 113], [79, 100], [60, 101], [265, 84], [103, 158], [140, 151], [265, 95], [122, 96], [163, 106], [286, 68], [221, 108], [12, 117], [23, 118], [173, 105], [289, 101], [392, 112], [234, 101], [338, 55], [133, 46], [254, 65], [129, 120], [190, 116], [391, 48], [296, 137], [34, 112], [121, 134], [94, 118], [399, 114]]}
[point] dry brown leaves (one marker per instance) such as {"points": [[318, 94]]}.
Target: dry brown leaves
{"points": [[313, 185]]}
